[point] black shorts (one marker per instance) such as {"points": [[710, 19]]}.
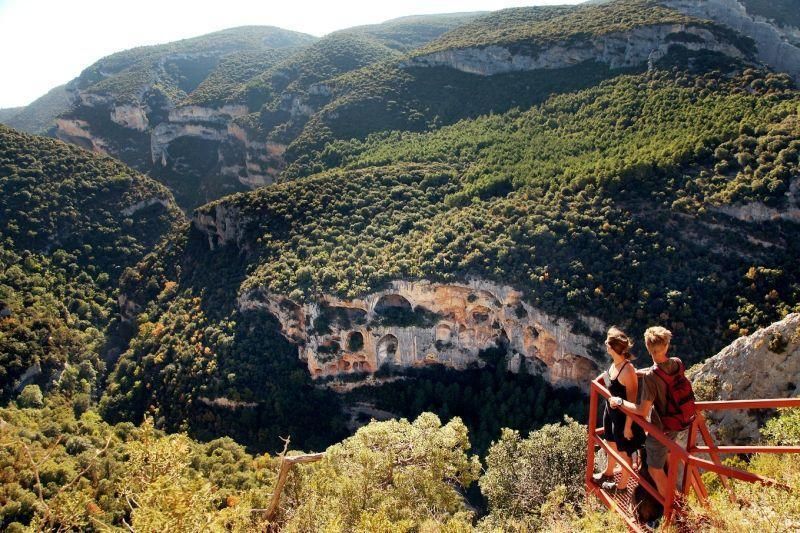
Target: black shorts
{"points": [[614, 431]]}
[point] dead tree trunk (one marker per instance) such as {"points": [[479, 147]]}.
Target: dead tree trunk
{"points": [[286, 465]]}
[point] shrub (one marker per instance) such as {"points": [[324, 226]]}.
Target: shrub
{"points": [[522, 473], [31, 396]]}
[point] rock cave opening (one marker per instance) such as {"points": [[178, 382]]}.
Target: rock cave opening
{"points": [[480, 314], [339, 317], [392, 303], [395, 310], [355, 341], [387, 348]]}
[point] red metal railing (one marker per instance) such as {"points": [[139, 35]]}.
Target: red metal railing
{"points": [[681, 458]]}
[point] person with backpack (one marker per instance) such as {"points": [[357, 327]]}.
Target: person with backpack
{"points": [[666, 396]]}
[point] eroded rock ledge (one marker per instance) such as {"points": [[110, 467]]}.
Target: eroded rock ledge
{"points": [[778, 46], [617, 50], [416, 323]]}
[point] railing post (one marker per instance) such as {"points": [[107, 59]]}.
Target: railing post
{"points": [[687, 469], [709, 440], [591, 436]]}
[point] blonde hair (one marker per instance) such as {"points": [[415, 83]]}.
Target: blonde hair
{"points": [[657, 336], [619, 342]]}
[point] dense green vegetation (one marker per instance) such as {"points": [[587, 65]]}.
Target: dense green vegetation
{"points": [[232, 71], [486, 399], [124, 74], [386, 97], [192, 347], [54, 315], [535, 28], [271, 94], [593, 200], [617, 194], [66, 469], [55, 196], [61, 257]]}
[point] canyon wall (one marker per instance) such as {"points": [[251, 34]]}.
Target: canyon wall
{"points": [[618, 50], [778, 46], [418, 323]]}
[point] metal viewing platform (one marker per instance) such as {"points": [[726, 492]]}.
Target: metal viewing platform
{"points": [[689, 460]]}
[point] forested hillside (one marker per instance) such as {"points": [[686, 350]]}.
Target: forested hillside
{"points": [[620, 202], [72, 223]]}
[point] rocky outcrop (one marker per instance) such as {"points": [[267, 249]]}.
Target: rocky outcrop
{"points": [[617, 50], [144, 204], [259, 162], [191, 121], [78, 132], [130, 116], [778, 46], [765, 364], [30, 373], [226, 403], [222, 226], [417, 323]]}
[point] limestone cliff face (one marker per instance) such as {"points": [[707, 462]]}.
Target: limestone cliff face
{"points": [[778, 46], [160, 130], [130, 116], [79, 132], [617, 50], [224, 225], [765, 364], [192, 121], [258, 162], [416, 323]]}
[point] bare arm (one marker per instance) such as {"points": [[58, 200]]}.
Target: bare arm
{"points": [[641, 409], [631, 383]]}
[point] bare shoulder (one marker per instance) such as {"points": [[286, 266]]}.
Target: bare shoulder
{"points": [[628, 373]]}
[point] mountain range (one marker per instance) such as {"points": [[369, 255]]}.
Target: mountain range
{"points": [[258, 232]]}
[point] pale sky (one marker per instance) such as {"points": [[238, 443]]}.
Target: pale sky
{"points": [[45, 43]]}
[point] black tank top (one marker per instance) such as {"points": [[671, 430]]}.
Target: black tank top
{"points": [[616, 388]]}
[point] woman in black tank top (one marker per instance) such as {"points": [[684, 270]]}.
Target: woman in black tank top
{"points": [[620, 432]]}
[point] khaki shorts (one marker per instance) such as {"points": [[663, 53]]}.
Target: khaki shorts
{"points": [[657, 452]]}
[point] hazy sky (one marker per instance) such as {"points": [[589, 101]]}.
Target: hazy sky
{"points": [[45, 43]]}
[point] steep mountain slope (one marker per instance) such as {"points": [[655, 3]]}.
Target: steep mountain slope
{"points": [[72, 222], [252, 122], [39, 116], [510, 58], [208, 127], [669, 196], [125, 99], [212, 115]]}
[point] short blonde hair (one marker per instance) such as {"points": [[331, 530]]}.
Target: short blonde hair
{"points": [[657, 336]]}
